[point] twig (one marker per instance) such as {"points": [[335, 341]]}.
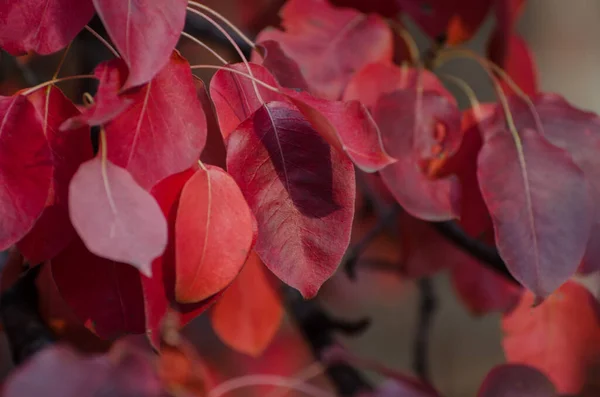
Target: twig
{"points": [[487, 254], [318, 328], [427, 308]]}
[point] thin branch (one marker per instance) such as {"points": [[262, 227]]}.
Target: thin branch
{"points": [[427, 307]]}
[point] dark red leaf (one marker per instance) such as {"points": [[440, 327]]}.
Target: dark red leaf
{"points": [[286, 71], [329, 43], [25, 168], [513, 380], [53, 230], [213, 234], [235, 98], [164, 131], [105, 295], [43, 26], [145, 32], [539, 201], [249, 313], [386, 8], [301, 191], [560, 337], [159, 290], [214, 152], [114, 216], [457, 20]]}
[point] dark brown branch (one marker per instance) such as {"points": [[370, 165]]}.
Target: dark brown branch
{"points": [[318, 328], [427, 308]]}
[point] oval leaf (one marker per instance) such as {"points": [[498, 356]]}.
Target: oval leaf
{"points": [[43, 26], [329, 43], [115, 217], [25, 169], [144, 31], [540, 205], [105, 295], [249, 313], [510, 380], [213, 234], [301, 191], [164, 131], [561, 336]]}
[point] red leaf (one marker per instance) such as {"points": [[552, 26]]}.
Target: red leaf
{"points": [[108, 104], [159, 290], [249, 313], [53, 230], [483, 290], [578, 132], [125, 373], [105, 295], [386, 8], [560, 337], [145, 32], [415, 136], [376, 79], [235, 98], [330, 43], [214, 152], [213, 234], [539, 201], [516, 59], [458, 20], [164, 131], [301, 191], [114, 216], [286, 71], [43, 26], [346, 125], [25, 169], [510, 380]]}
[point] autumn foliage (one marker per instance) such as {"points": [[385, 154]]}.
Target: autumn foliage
{"points": [[158, 196]]}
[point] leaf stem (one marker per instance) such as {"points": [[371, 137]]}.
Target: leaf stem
{"points": [[31, 90], [103, 41], [254, 79], [205, 46], [274, 380]]}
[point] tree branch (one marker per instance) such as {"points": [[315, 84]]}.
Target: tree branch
{"points": [[427, 308]]}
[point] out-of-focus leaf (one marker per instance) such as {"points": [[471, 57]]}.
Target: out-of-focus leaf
{"points": [[513, 380]]}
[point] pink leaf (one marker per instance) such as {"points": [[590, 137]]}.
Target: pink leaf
{"points": [[301, 191], [512, 380], [43, 26], [329, 43], [25, 168], [115, 217], [144, 31]]}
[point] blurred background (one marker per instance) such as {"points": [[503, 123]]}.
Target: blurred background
{"points": [[563, 37]]}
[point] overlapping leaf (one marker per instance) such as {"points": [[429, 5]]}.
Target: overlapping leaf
{"points": [[301, 191], [513, 380], [105, 295], [578, 132], [514, 56], [213, 234], [53, 230], [145, 32], [530, 188], [560, 337], [249, 313], [114, 216], [25, 168], [345, 125], [43, 26], [159, 290], [330, 44], [164, 130]]}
